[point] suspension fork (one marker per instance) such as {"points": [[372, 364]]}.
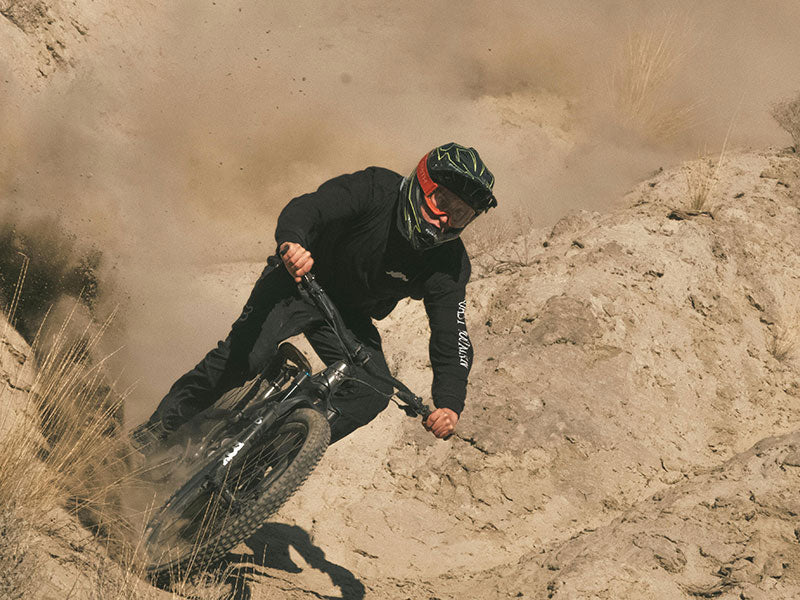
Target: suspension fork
{"points": [[253, 432]]}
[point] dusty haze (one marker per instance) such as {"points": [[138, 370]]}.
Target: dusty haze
{"points": [[176, 141]]}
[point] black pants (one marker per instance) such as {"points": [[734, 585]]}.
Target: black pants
{"points": [[275, 311]]}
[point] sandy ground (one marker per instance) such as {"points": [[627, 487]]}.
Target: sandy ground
{"points": [[632, 426], [630, 433], [631, 429]]}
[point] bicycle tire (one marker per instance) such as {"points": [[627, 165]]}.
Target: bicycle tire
{"points": [[200, 543]]}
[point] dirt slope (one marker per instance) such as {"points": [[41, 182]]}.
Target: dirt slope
{"points": [[633, 351], [631, 425], [729, 532], [631, 429]]}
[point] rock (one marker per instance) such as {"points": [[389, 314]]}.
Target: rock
{"points": [[666, 551], [792, 459], [564, 320]]}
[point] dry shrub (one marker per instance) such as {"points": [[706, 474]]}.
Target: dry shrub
{"points": [[787, 114], [644, 80], [701, 179], [501, 243]]}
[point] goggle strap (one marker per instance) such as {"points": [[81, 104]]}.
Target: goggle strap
{"points": [[428, 186], [425, 182]]}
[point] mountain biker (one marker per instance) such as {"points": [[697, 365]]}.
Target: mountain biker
{"points": [[374, 238]]}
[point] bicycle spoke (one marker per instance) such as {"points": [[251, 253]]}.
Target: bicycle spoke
{"points": [[261, 464]]}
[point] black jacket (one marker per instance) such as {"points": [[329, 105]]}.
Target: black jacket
{"points": [[366, 265]]}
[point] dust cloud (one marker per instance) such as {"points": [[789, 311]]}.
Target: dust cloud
{"points": [[176, 137]]}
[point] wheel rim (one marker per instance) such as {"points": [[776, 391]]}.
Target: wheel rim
{"points": [[263, 466], [192, 523]]}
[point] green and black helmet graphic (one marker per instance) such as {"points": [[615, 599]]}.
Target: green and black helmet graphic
{"points": [[452, 166], [462, 171]]}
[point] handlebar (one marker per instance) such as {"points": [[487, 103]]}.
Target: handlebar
{"points": [[355, 351]]}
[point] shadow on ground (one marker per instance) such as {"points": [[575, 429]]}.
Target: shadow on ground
{"points": [[270, 550]]}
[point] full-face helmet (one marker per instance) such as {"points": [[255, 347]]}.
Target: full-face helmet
{"points": [[450, 185]]}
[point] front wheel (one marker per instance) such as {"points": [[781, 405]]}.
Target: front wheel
{"points": [[198, 525]]}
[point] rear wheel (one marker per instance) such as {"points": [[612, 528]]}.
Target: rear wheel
{"points": [[197, 525]]}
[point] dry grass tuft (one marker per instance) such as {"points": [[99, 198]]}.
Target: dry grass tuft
{"points": [[75, 416], [787, 114], [59, 446], [17, 566], [645, 78], [502, 243], [702, 175], [62, 448], [59, 449], [701, 179]]}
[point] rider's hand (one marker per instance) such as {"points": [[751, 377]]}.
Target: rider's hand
{"points": [[441, 422], [297, 259]]}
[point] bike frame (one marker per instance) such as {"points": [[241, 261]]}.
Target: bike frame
{"points": [[295, 386], [215, 447]]}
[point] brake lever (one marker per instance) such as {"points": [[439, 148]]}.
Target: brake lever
{"points": [[414, 406]]}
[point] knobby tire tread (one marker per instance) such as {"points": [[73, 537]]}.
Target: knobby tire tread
{"points": [[256, 512]]}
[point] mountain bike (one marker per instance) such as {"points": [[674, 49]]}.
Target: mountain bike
{"points": [[241, 459]]}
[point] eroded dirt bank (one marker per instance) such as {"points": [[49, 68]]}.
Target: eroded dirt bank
{"points": [[632, 423], [632, 426], [631, 429]]}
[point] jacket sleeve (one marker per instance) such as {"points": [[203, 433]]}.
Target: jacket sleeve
{"points": [[336, 202], [450, 347]]}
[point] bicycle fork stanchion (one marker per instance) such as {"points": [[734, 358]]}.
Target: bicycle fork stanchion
{"points": [[254, 431]]}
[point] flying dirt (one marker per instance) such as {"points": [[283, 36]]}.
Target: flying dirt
{"points": [[631, 428]]}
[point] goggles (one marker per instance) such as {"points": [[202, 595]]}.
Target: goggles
{"points": [[441, 201]]}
